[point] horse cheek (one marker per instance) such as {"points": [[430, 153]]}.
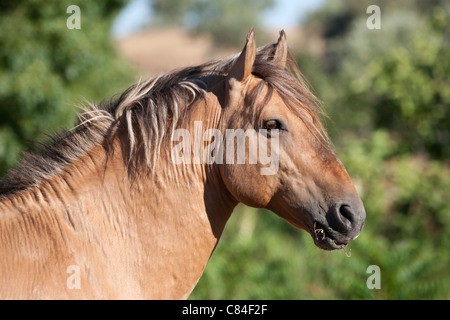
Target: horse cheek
{"points": [[247, 185]]}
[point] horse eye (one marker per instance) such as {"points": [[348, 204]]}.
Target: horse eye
{"points": [[272, 125]]}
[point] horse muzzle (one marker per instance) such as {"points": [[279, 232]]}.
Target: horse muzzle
{"points": [[341, 224]]}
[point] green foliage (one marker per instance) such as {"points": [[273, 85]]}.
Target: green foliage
{"points": [[402, 79], [408, 216], [45, 67], [396, 77]]}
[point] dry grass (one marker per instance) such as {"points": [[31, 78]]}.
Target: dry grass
{"points": [[156, 51], [159, 50]]}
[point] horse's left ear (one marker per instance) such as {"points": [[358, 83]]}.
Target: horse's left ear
{"points": [[281, 52], [243, 66]]}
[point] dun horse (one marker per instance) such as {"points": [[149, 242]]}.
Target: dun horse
{"points": [[103, 211]]}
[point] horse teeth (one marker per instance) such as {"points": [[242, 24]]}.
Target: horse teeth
{"points": [[319, 230]]}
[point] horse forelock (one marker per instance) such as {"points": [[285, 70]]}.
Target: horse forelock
{"points": [[149, 111]]}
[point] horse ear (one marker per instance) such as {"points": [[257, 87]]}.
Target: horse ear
{"points": [[281, 52], [243, 66]]}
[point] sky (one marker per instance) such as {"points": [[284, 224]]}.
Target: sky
{"points": [[283, 14], [286, 13]]}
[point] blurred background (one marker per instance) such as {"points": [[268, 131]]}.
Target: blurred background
{"points": [[386, 91]]}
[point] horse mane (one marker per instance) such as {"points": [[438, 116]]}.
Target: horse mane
{"points": [[150, 110]]}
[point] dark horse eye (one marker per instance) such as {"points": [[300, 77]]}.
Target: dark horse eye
{"points": [[272, 125]]}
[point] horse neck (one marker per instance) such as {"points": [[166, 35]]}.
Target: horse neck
{"points": [[190, 207], [152, 236], [65, 220], [73, 193]]}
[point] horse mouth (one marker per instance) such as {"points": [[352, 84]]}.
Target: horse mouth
{"points": [[326, 238]]}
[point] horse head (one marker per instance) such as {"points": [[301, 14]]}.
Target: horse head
{"points": [[309, 186]]}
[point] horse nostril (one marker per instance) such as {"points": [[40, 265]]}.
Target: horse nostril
{"points": [[346, 220], [342, 218], [347, 215]]}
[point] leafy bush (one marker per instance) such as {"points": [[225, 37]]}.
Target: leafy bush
{"points": [[45, 67], [399, 76]]}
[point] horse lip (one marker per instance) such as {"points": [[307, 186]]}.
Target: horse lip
{"points": [[325, 238]]}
